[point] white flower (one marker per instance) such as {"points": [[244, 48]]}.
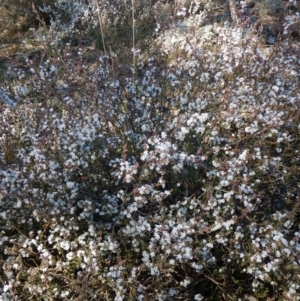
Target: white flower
{"points": [[224, 183], [251, 129], [185, 283], [243, 155], [172, 261], [145, 156], [204, 77], [218, 75], [216, 227], [145, 128], [70, 256], [218, 194], [183, 100], [65, 245], [53, 69], [198, 297], [192, 72], [7, 287]]}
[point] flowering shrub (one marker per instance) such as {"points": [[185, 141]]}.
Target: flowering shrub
{"points": [[177, 182]]}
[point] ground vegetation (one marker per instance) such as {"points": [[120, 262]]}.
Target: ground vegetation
{"points": [[150, 151]]}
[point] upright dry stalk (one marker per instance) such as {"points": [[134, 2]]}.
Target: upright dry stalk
{"points": [[101, 26], [133, 41], [233, 12]]}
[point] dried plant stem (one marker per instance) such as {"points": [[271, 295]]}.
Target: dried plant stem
{"points": [[133, 42], [101, 27], [233, 12]]}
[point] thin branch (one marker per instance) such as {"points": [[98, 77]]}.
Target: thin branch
{"points": [[101, 26], [133, 41]]}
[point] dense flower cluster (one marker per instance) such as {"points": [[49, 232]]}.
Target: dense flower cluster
{"points": [[178, 183]]}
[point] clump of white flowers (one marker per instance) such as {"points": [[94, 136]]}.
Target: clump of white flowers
{"points": [[181, 183]]}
